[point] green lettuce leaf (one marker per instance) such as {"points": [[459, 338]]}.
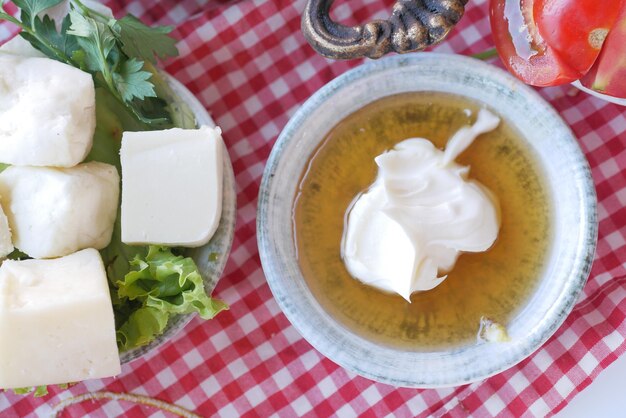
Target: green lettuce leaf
{"points": [[141, 328], [38, 391], [162, 284]]}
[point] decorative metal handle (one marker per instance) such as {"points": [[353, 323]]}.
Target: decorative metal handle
{"points": [[413, 26]]}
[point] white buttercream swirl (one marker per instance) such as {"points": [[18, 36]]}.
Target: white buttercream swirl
{"points": [[421, 212]]}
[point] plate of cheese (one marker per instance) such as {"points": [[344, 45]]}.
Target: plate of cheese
{"points": [[113, 233]]}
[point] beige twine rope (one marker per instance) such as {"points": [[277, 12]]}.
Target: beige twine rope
{"points": [[128, 397]]}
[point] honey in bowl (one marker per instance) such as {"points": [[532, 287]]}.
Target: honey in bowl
{"points": [[492, 284]]}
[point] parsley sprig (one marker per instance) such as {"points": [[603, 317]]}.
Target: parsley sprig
{"points": [[119, 53]]}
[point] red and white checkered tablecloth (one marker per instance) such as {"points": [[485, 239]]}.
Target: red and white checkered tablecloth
{"points": [[249, 64]]}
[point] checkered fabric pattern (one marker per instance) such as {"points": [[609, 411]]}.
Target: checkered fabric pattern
{"points": [[250, 66]]}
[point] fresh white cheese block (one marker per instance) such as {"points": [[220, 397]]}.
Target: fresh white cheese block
{"points": [[171, 186], [6, 244], [20, 46], [56, 321], [98, 7], [58, 12], [47, 112], [54, 212]]}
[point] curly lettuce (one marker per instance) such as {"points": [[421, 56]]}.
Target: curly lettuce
{"points": [[161, 284]]}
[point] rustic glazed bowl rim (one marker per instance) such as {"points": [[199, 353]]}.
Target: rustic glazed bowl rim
{"points": [[455, 366]]}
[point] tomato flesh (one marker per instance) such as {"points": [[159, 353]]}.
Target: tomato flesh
{"points": [[608, 74], [522, 48], [551, 42], [576, 29]]}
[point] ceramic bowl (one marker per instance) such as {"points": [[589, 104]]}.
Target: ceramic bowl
{"points": [[568, 180], [220, 243]]}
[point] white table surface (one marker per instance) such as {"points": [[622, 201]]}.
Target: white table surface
{"points": [[605, 397]]}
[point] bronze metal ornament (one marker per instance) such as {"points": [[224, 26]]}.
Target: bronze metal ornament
{"points": [[413, 26]]}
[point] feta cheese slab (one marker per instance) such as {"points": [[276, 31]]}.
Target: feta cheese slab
{"points": [[6, 244], [56, 321], [47, 112], [171, 186], [54, 212], [20, 46], [58, 12]]}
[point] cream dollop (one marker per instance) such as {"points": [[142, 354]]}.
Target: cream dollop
{"points": [[419, 214]]}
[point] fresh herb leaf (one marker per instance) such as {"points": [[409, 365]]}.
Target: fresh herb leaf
{"points": [[80, 59], [132, 82], [157, 110], [145, 42], [101, 40], [96, 40], [82, 25], [47, 28], [18, 255], [115, 52], [165, 284], [32, 8], [56, 41]]}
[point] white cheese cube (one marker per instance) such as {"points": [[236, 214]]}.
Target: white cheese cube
{"points": [[6, 244], [58, 12], [56, 321], [20, 46], [171, 186], [47, 112], [97, 6], [54, 212]]}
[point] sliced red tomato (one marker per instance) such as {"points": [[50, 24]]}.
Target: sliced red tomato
{"points": [[544, 43], [608, 74], [576, 29], [521, 47]]}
